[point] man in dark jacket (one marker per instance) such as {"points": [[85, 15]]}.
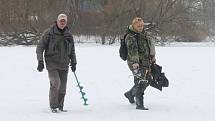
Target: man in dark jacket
{"points": [[57, 46], [141, 53]]}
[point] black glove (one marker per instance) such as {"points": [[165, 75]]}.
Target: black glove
{"points": [[152, 60], [73, 67], [40, 66]]}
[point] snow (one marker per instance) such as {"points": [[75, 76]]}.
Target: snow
{"points": [[191, 44], [190, 96]]}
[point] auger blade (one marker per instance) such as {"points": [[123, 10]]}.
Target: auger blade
{"points": [[83, 93], [81, 87], [85, 103]]}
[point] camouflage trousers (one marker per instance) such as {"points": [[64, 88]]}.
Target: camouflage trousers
{"points": [[141, 82], [58, 81]]}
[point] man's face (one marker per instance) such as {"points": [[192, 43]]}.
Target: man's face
{"points": [[139, 26], [61, 23]]}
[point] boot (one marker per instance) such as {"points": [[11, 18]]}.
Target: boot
{"points": [[139, 103], [54, 110], [129, 96], [61, 109], [141, 108]]}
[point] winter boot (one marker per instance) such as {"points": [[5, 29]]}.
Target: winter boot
{"points": [[61, 109], [141, 108], [130, 97], [54, 110], [139, 103]]}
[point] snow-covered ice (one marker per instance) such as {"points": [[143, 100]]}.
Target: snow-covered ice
{"points": [[190, 96]]}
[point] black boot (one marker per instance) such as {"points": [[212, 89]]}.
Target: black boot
{"points": [[61, 109], [139, 103], [130, 97], [54, 110], [141, 108]]}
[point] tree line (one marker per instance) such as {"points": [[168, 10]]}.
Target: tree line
{"points": [[23, 21]]}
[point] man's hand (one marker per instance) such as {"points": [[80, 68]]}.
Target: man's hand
{"points": [[152, 60], [135, 66], [40, 66], [73, 67]]}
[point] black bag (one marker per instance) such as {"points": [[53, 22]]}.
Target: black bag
{"points": [[123, 50], [159, 78]]}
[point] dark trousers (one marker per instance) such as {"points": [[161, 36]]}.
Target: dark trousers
{"points": [[58, 81], [139, 87]]}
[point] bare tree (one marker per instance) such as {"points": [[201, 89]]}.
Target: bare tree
{"points": [[190, 20]]}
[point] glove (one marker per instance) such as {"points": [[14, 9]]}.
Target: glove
{"points": [[73, 67], [153, 60], [40, 66], [135, 66]]}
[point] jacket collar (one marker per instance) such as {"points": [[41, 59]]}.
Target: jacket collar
{"points": [[132, 31], [131, 28], [55, 30]]}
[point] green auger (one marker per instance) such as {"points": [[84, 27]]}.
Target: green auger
{"points": [[81, 91]]}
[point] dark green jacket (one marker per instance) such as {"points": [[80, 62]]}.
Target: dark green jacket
{"points": [[140, 48], [58, 47]]}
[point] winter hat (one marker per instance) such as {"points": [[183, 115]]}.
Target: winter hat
{"points": [[62, 16]]}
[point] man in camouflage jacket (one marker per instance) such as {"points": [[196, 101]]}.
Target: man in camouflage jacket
{"points": [[141, 53], [57, 46]]}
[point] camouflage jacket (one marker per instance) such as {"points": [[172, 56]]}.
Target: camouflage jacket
{"points": [[140, 48], [57, 48]]}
